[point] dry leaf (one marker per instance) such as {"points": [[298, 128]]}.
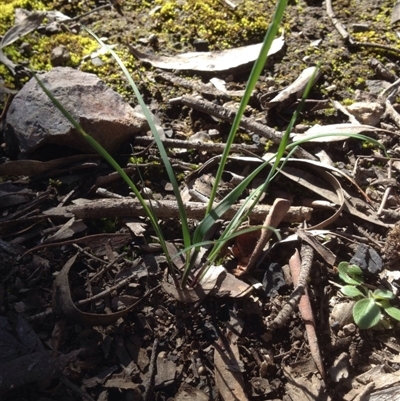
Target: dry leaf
{"points": [[337, 132], [208, 61], [228, 369]]}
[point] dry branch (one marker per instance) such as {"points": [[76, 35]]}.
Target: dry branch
{"points": [[249, 124], [205, 146], [165, 209]]}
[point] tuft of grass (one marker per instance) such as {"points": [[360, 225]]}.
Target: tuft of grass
{"points": [[193, 271]]}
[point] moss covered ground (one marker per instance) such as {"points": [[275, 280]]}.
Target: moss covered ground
{"points": [[177, 24]]}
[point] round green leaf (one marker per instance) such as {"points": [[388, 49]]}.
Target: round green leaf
{"points": [[366, 313], [350, 274], [383, 294], [351, 291], [391, 310]]}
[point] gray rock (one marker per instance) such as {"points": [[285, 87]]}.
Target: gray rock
{"points": [[100, 111], [60, 56]]}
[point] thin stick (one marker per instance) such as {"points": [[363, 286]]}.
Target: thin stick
{"points": [[149, 384], [273, 219], [300, 270], [204, 146], [163, 209], [249, 124]]}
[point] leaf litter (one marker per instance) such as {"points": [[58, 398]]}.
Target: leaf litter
{"points": [[111, 328]]}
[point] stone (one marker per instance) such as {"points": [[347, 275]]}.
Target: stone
{"points": [[100, 111], [368, 113], [60, 56]]}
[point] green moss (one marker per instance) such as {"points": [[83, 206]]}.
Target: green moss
{"points": [[136, 160], [347, 102], [211, 20], [268, 145], [369, 145], [329, 111], [78, 45]]}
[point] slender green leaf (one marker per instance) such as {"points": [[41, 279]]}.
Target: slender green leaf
{"points": [[159, 143], [255, 73], [366, 313], [252, 200], [102, 152]]}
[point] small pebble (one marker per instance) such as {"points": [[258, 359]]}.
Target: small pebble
{"points": [[349, 329]]}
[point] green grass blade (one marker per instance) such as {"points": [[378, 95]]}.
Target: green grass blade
{"points": [[254, 198], [347, 135], [159, 143], [255, 73], [102, 152]]}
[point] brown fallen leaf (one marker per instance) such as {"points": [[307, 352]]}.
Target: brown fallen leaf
{"points": [[63, 305], [294, 91], [31, 168], [228, 369]]}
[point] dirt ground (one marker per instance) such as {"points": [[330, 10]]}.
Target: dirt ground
{"points": [[57, 342]]}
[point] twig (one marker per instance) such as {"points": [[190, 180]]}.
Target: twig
{"points": [[273, 219], [393, 87], [206, 146], [88, 13], [300, 269], [348, 38], [249, 124], [88, 254], [336, 23], [163, 209], [193, 85], [288, 308], [295, 296], [108, 291], [105, 269], [76, 389], [149, 390], [387, 191]]}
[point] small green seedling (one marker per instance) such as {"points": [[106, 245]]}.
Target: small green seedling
{"points": [[367, 310]]}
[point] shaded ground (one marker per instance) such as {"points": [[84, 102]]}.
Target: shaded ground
{"points": [[163, 349]]}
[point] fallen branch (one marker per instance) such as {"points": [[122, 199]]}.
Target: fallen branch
{"points": [[165, 209]]}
